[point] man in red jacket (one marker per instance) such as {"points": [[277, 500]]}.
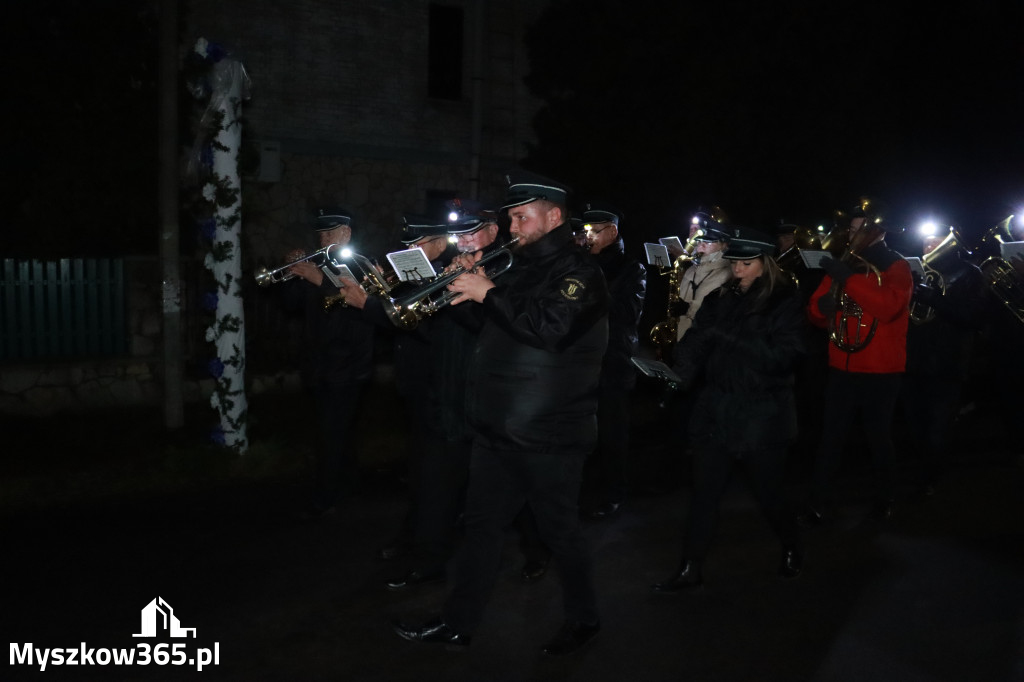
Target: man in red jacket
{"points": [[864, 302]]}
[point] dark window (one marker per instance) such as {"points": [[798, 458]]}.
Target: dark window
{"points": [[445, 52]]}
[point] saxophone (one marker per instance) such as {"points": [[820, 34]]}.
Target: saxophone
{"points": [[663, 334]]}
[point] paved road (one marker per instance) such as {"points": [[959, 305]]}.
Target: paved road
{"points": [[935, 594]]}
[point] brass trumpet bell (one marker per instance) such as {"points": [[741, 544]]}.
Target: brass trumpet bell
{"points": [[940, 265]]}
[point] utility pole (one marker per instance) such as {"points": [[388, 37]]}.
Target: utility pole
{"points": [[170, 257]]}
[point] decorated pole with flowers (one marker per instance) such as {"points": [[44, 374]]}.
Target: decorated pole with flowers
{"points": [[228, 87]]}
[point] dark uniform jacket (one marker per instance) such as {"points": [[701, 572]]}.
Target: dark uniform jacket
{"points": [[534, 373], [337, 343], [627, 285], [942, 346], [741, 354]]}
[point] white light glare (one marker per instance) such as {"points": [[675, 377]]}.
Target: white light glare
{"points": [[453, 216], [928, 228], [346, 252]]}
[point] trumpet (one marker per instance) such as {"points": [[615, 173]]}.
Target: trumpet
{"points": [[406, 312], [266, 277], [373, 281]]}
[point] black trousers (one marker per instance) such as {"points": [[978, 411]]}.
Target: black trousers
{"points": [[613, 442], [444, 472], [337, 463], [500, 484], [712, 472], [873, 397], [930, 405]]}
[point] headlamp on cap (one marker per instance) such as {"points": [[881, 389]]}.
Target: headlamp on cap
{"points": [[928, 228]]}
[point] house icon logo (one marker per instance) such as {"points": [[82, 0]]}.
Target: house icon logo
{"points": [[158, 617]]}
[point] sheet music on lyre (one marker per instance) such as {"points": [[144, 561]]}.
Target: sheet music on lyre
{"points": [[411, 265], [1011, 250], [916, 266], [812, 259], [657, 255], [336, 272]]}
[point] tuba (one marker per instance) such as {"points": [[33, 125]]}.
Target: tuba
{"points": [[939, 265], [1002, 279], [1005, 283], [847, 310]]}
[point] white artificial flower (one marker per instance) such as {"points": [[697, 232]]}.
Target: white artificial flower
{"points": [[201, 46]]}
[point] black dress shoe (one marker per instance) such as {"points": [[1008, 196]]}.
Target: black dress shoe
{"points": [[603, 511], [688, 577], [792, 562], [571, 637], [534, 570], [414, 578], [434, 631]]}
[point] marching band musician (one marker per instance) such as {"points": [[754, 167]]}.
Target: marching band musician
{"points": [[337, 363], [939, 344], [708, 272], [627, 285], [532, 404], [741, 352], [413, 353], [867, 314]]}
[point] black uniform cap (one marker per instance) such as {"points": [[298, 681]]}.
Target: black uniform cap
{"points": [[524, 187], [417, 227], [747, 243], [330, 218]]}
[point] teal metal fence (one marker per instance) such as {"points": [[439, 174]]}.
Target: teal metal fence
{"points": [[68, 308]]}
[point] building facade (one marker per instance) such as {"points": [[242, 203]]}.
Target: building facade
{"points": [[383, 107]]}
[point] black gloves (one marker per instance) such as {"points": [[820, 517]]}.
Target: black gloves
{"points": [[678, 308], [925, 294], [837, 269], [827, 305]]}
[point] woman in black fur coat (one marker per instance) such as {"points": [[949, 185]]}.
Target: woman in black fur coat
{"points": [[740, 355]]}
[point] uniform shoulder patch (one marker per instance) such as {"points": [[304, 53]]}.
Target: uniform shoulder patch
{"points": [[572, 288]]}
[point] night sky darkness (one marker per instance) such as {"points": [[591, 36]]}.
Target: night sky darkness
{"points": [[769, 110], [784, 109]]}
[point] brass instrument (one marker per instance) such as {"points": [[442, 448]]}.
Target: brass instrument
{"points": [[663, 334], [406, 311], [789, 261], [938, 264], [266, 277], [373, 281], [1003, 280], [1005, 283], [847, 309], [989, 244]]}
